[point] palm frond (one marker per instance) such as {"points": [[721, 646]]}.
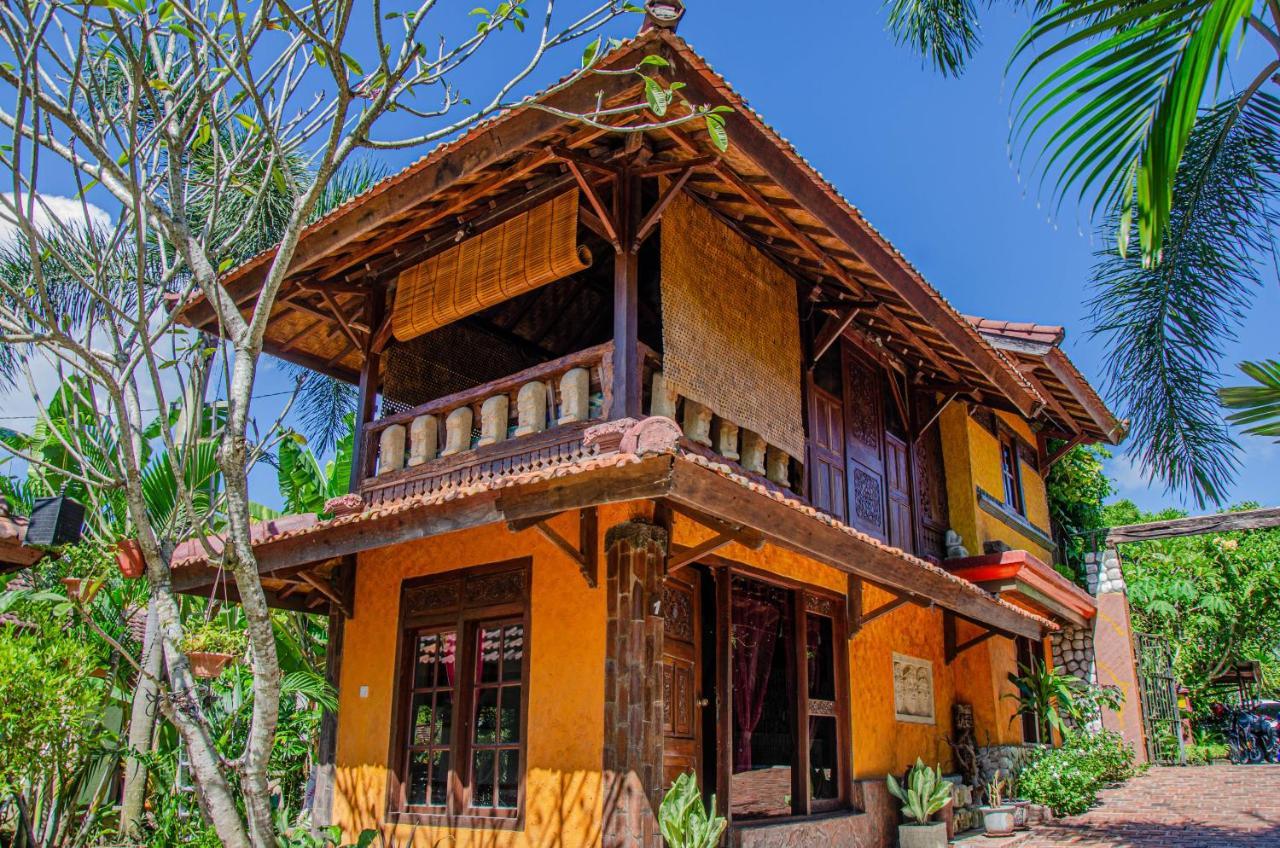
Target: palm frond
{"points": [[1166, 325], [944, 32], [1258, 406], [1117, 108], [351, 180]]}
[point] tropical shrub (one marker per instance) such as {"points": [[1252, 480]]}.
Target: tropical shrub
{"points": [[684, 821], [1068, 778], [924, 794], [212, 637]]}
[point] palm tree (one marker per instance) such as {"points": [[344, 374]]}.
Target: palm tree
{"points": [[1117, 104]]}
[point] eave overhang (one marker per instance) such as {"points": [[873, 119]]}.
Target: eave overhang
{"points": [[1025, 580], [713, 489]]}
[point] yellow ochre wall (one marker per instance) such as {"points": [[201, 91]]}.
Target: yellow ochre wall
{"points": [[566, 685], [881, 744], [972, 458]]}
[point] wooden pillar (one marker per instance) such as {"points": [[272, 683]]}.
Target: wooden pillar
{"points": [[627, 390], [635, 552], [374, 310]]}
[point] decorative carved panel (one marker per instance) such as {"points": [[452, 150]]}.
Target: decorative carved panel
{"points": [[868, 499], [821, 605], [822, 708], [668, 673], [677, 611], [432, 598], [863, 405], [913, 689], [503, 587]]}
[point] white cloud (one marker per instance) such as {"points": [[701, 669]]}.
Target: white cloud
{"points": [[50, 213]]}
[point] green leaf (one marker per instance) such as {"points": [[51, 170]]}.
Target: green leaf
{"points": [[657, 97], [589, 55], [654, 60], [716, 130]]}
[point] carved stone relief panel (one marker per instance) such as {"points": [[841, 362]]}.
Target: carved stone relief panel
{"points": [[913, 689]]}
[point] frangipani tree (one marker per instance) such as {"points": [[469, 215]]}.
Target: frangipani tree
{"points": [[169, 114]]}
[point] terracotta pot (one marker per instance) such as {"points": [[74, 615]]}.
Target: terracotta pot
{"points": [[1020, 812], [928, 835], [129, 558], [206, 665], [1035, 815], [73, 586], [997, 821]]}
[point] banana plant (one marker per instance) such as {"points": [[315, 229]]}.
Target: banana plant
{"points": [[305, 485]]}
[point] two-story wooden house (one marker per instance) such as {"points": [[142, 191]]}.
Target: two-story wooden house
{"points": [[659, 450]]}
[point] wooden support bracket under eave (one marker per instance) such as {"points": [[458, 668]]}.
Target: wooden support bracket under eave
{"points": [[953, 648], [585, 554], [726, 532], [858, 617]]}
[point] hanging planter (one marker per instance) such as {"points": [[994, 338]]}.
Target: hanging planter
{"points": [[129, 558], [208, 665], [211, 647], [81, 588], [54, 522]]}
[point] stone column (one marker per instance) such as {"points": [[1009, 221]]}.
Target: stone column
{"points": [[635, 554], [1103, 653]]}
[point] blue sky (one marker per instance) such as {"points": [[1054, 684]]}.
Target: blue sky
{"points": [[922, 156]]}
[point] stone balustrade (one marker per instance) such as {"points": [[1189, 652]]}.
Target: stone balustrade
{"points": [[562, 392], [726, 438]]}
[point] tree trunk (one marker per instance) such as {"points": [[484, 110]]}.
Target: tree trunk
{"points": [[141, 726]]}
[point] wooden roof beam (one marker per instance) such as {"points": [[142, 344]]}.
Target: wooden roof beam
{"points": [[1057, 363]]}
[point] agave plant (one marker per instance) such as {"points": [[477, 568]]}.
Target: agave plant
{"points": [[924, 794], [684, 821]]}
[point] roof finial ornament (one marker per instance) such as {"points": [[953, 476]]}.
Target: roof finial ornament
{"points": [[662, 14]]}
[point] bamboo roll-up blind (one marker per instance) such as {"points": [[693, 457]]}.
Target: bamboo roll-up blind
{"points": [[730, 327], [530, 250]]}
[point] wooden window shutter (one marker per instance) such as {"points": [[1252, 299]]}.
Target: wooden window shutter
{"points": [[530, 250]]}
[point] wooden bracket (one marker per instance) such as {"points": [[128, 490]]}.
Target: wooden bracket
{"points": [[900, 400], [688, 556], [329, 589], [1065, 449], [830, 332], [655, 214], [607, 222], [858, 616], [953, 648], [746, 536], [585, 553]]}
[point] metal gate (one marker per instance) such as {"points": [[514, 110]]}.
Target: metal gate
{"points": [[1159, 690]]}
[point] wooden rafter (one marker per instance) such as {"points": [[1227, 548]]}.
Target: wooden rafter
{"points": [[329, 591], [687, 556], [1057, 362], [597, 205], [1066, 447], [344, 323], [858, 616], [831, 330], [1028, 371]]}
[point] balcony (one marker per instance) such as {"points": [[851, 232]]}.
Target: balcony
{"points": [[534, 416]]}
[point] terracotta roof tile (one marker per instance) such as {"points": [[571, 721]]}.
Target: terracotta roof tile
{"points": [[1043, 333]]}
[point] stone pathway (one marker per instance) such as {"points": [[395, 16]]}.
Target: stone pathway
{"points": [[1205, 807]]}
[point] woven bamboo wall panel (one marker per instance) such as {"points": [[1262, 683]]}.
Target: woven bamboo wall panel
{"points": [[530, 250], [730, 327]]}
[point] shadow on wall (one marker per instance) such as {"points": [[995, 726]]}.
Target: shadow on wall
{"points": [[561, 809]]}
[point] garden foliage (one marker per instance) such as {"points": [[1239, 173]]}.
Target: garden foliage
{"points": [[1068, 778]]}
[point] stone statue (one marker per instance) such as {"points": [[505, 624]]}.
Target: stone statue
{"points": [[391, 449], [697, 422], [963, 742], [531, 408], [457, 431], [495, 413], [423, 435], [955, 546], [575, 395]]}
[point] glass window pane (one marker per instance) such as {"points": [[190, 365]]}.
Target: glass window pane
{"points": [[434, 667], [482, 779], [486, 732], [419, 778], [508, 778], [439, 778], [423, 719], [512, 651], [488, 655], [824, 759], [820, 654], [509, 724]]}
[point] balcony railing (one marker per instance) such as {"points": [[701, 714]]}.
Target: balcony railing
{"points": [[538, 414]]}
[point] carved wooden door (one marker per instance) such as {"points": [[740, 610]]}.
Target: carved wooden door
{"points": [[681, 676], [864, 445], [930, 479], [897, 462], [827, 489]]}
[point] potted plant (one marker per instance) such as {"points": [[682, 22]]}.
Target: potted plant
{"points": [[925, 793], [997, 818], [1021, 807], [684, 821], [210, 647], [129, 558]]}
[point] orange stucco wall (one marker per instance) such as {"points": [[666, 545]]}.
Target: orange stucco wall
{"points": [[566, 685], [972, 458]]}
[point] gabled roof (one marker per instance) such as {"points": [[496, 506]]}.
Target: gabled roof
{"points": [[1035, 349], [761, 187]]}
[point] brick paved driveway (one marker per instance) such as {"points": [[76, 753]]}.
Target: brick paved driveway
{"points": [[1205, 807]]}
